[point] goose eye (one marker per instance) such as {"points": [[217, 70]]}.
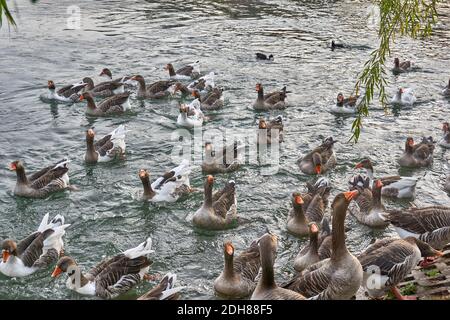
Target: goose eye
{"points": [[179, 176], [72, 273]]}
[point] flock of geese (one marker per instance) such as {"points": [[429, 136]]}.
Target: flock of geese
{"points": [[326, 269]]}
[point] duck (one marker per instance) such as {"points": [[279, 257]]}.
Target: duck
{"points": [[388, 261], [446, 91], [190, 116], [262, 56], [267, 289], [203, 84], [404, 97], [212, 101], [318, 248], [41, 184], [116, 104], [108, 75], [393, 186], [69, 93], [340, 276], [104, 89], [219, 210], [401, 67], [191, 71], [417, 155], [320, 160], [225, 162], [429, 224], [271, 130], [170, 186], [108, 148], [165, 290], [36, 252], [367, 207], [237, 280], [156, 90], [299, 216], [110, 278], [345, 105], [335, 45], [271, 101], [445, 141]]}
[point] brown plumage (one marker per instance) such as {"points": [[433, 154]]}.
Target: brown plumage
{"points": [[116, 104], [320, 159], [156, 90]]}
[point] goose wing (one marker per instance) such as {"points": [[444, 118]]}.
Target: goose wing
{"points": [[223, 204], [114, 103], [35, 248], [185, 71]]}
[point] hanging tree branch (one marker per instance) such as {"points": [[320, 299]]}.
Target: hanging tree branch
{"points": [[412, 18]]}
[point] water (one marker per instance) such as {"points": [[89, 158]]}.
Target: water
{"points": [[143, 36]]}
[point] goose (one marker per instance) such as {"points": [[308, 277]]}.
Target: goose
{"points": [[271, 101], [320, 159], [336, 278], [318, 248], [212, 101], [104, 89], [156, 90], [401, 67], [446, 91], [368, 208], [404, 97], [165, 290], [267, 289], [116, 104], [237, 280], [388, 261], [219, 210], [299, 216], [38, 251], [271, 130], [190, 116], [445, 141], [110, 278], [203, 84], [108, 75], [108, 148], [69, 93], [191, 71], [262, 56], [417, 155], [429, 224], [345, 105], [51, 179], [225, 162], [393, 186], [170, 186]]}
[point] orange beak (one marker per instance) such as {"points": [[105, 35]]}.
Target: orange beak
{"points": [[298, 200], [314, 228], [439, 254], [56, 272], [229, 249], [379, 184], [12, 167], [6, 255], [210, 179], [358, 165], [81, 98], [349, 195], [318, 169], [411, 143]]}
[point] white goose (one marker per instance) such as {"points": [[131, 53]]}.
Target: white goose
{"points": [[190, 116], [404, 97], [107, 148], [67, 94], [170, 186], [37, 251]]}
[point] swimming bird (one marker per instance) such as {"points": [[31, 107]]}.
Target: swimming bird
{"points": [[190, 116], [417, 155], [212, 101], [401, 67], [108, 75], [262, 56], [388, 261], [335, 45], [108, 148], [104, 89], [336, 278], [271, 130], [110, 278], [393, 186], [219, 210], [165, 290], [191, 71], [267, 289], [320, 159], [170, 186], [69, 93], [51, 179], [237, 280], [271, 101], [116, 104], [404, 97], [445, 141], [38, 251], [225, 161], [156, 90]]}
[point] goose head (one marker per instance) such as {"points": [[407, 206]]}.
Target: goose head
{"points": [[169, 67], [16, 165], [271, 57], [89, 82], [106, 72], [196, 94], [397, 62], [409, 144], [9, 248], [51, 85], [317, 162], [340, 99], [90, 134], [426, 251], [365, 163], [258, 87], [65, 265], [86, 96], [297, 201], [445, 127], [262, 124]]}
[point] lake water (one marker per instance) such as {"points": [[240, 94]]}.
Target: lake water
{"points": [[140, 38]]}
